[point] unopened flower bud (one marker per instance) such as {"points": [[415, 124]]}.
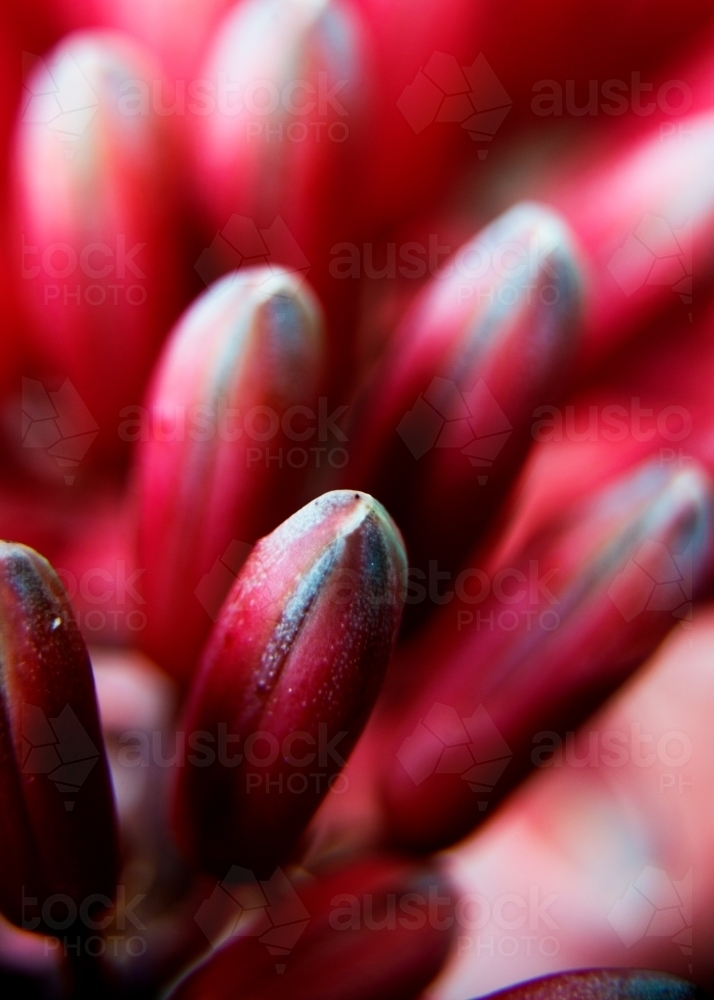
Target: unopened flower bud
{"points": [[287, 680]]}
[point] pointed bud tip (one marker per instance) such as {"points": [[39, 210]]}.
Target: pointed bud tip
{"points": [[300, 646], [50, 744], [340, 518], [350, 510]]}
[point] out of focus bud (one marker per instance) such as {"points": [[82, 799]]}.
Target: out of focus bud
{"points": [[446, 426], [644, 220], [176, 31], [534, 646], [96, 222], [57, 831], [603, 984], [277, 141], [223, 454], [287, 680], [341, 942]]}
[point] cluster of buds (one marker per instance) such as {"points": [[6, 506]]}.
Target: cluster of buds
{"points": [[330, 566]]}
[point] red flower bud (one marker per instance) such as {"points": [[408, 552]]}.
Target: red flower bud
{"points": [[446, 427], [287, 680], [96, 222], [57, 828], [378, 928], [234, 394], [644, 220], [276, 152], [580, 607]]}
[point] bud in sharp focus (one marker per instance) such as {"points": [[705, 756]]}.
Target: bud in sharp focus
{"points": [[378, 928], [287, 680], [447, 424], [57, 828], [603, 984], [224, 453], [534, 646], [96, 221]]}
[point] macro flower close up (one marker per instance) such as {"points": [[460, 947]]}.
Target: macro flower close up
{"points": [[357, 500]]}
